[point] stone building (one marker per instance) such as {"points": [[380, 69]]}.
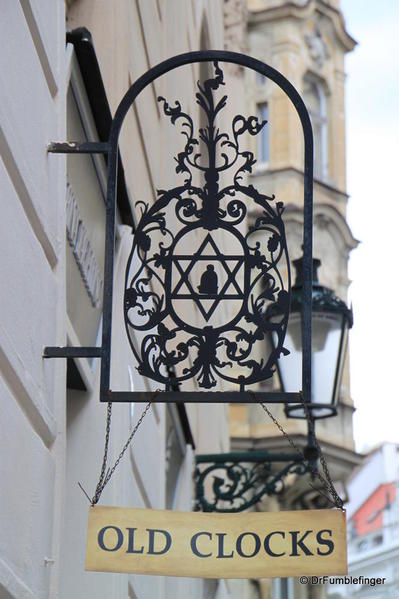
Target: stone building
{"points": [[65, 67], [306, 41]]}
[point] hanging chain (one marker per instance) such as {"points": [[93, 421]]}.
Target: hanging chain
{"points": [[105, 475], [326, 482], [329, 484], [100, 486]]}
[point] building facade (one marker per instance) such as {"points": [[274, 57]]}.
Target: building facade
{"points": [[65, 67], [373, 529], [307, 42]]}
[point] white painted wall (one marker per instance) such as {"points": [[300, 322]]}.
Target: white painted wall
{"points": [[51, 439], [32, 305]]}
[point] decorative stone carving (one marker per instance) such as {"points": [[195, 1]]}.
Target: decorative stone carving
{"points": [[317, 47], [235, 14]]}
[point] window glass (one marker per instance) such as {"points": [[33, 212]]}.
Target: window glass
{"points": [[85, 230], [260, 79], [263, 136], [314, 98], [85, 227], [175, 451]]}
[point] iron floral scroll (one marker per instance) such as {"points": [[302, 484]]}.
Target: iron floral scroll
{"points": [[235, 482], [198, 280]]}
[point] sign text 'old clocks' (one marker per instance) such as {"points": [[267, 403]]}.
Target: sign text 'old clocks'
{"points": [[250, 545]]}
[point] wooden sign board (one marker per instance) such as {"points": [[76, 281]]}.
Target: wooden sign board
{"points": [[202, 545]]}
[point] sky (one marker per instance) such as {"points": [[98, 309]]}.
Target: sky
{"points": [[372, 112]]}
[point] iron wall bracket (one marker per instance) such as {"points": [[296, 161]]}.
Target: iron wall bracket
{"points": [[75, 147]]}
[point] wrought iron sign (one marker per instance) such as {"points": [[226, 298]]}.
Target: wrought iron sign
{"points": [[198, 283], [179, 264]]}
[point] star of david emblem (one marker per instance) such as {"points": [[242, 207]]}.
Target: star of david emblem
{"points": [[207, 292]]}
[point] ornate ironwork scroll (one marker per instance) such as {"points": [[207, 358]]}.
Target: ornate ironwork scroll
{"points": [[233, 482], [198, 281]]}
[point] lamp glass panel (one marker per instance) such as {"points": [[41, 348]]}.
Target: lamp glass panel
{"points": [[326, 334], [290, 366]]}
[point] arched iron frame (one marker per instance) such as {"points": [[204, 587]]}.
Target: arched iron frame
{"points": [[111, 149]]}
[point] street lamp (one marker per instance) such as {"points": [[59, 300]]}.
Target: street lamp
{"points": [[331, 320]]}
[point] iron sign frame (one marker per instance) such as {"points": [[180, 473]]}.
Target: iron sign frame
{"points": [[111, 149]]}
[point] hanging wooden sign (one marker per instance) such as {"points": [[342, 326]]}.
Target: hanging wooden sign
{"points": [[197, 544]]}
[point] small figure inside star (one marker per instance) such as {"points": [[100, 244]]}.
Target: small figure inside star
{"points": [[209, 281]]}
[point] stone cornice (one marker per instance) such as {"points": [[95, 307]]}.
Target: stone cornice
{"points": [[298, 171], [326, 214], [304, 11], [346, 457]]}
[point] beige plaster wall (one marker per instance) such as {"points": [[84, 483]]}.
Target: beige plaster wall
{"points": [[279, 33], [130, 36]]}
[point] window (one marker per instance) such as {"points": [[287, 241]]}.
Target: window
{"points": [[315, 100], [283, 588], [263, 136], [175, 452], [210, 588], [261, 79], [85, 230]]}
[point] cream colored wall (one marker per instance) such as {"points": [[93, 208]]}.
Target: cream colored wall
{"points": [[130, 37], [280, 40], [147, 32], [277, 35]]}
